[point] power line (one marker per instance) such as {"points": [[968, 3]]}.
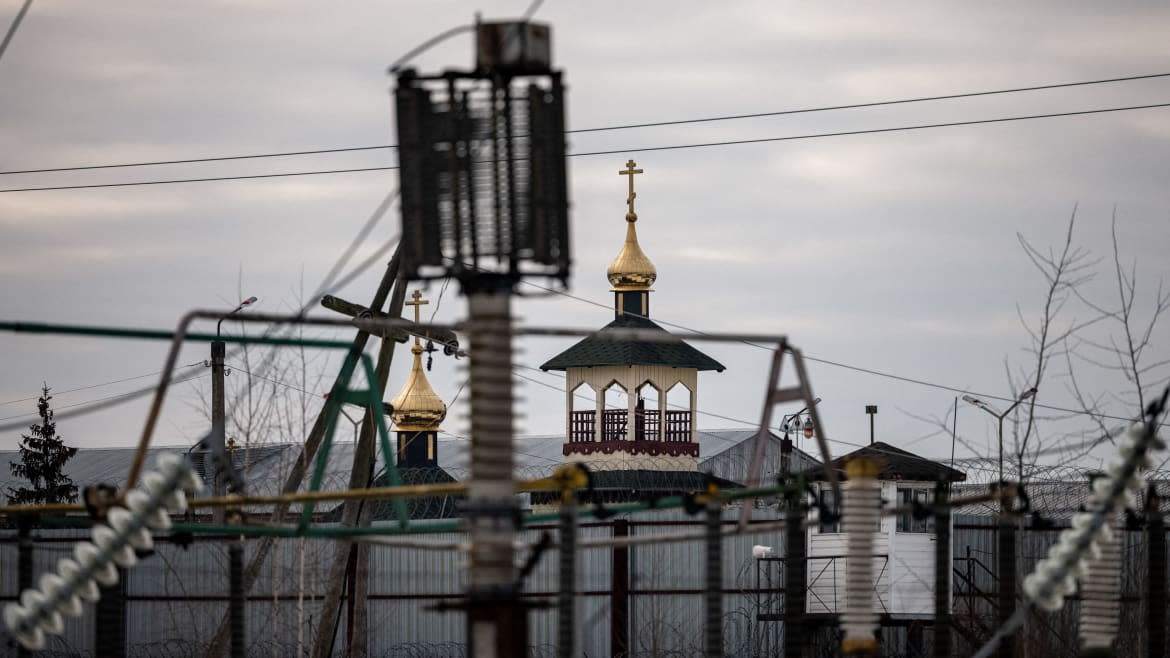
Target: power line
{"points": [[873, 131], [854, 106], [97, 403], [14, 26], [220, 158], [675, 122], [837, 364], [201, 180], [92, 386], [671, 147]]}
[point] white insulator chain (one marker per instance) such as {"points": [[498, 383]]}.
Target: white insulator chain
{"points": [[1055, 576], [1100, 589], [40, 612], [860, 520]]}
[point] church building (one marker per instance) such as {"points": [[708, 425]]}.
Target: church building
{"points": [[631, 400]]}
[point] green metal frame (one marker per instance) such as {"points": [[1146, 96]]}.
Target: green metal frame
{"points": [[340, 394]]}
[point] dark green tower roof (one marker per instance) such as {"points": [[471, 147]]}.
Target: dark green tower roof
{"points": [[596, 350]]}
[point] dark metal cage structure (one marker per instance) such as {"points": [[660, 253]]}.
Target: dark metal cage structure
{"points": [[482, 165]]}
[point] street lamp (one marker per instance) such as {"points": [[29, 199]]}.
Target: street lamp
{"points": [[786, 423], [999, 417], [247, 302], [218, 421], [223, 467]]}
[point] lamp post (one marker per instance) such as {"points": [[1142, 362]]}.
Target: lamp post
{"points": [[223, 462], [786, 426], [219, 455], [999, 417], [795, 562], [1006, 540]]}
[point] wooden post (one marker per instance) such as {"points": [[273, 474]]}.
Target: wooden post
{"points": [[619, 598], [942, 572], [297, 471], [343, 570]]}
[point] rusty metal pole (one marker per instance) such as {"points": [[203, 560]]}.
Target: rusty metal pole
{"points": [[619, 598], [713, 596], [1156, 583], [24, 565], [942, 572], [567, 586], [795, 567], [1006, 571]]}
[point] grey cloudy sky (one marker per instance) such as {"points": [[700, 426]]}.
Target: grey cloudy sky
{"points": [[895, 252]]}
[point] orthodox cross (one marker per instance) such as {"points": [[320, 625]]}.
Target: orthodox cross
{"points": [[417, 303], [630, 171]]}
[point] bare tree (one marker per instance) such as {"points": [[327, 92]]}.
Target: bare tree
{"points": [[1074, 336]]}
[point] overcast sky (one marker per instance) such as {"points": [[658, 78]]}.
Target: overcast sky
{"points": [[894, 252]]}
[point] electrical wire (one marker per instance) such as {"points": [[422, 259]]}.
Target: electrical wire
{"points": [[670, 147], [92, 386], [114, 401], [837, 364], [201, 180], [96, 404], [13, 27], [653, 124], [874, 131]]}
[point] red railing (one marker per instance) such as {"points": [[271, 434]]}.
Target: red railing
{"points": [[582, 426], [678, 425], [646, 424], [614, 423]]}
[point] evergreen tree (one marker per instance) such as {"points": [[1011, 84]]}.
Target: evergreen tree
{"points": [[42, 457]]}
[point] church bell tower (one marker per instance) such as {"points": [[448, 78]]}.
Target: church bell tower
{"points": [[631, 402]]}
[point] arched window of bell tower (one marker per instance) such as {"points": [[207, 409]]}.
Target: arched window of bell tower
{"points": [[647, 419], [582, 414], [615, 414], [677, 421]]}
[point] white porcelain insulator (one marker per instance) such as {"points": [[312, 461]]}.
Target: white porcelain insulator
{"points": [[1100, 605], [860, 520]]}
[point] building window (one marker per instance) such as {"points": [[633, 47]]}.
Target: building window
{"points": [[911, 500], [828, 504]]}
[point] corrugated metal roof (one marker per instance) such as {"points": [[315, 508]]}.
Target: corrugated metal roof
{"points": [[265, 468], [896, 464]]}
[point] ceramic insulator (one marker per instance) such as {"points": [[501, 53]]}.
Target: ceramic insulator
{"points": [[860, 520]]}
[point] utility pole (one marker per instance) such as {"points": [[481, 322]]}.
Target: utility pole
{"points": [[218, 422], [223, 472], [496, 625], [871, 409], [482, 205]]}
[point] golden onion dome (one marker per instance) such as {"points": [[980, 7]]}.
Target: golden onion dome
{"points": [[632, 269], [417, 407]]}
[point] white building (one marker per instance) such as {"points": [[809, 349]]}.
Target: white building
{"points": [[904, 548]]}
